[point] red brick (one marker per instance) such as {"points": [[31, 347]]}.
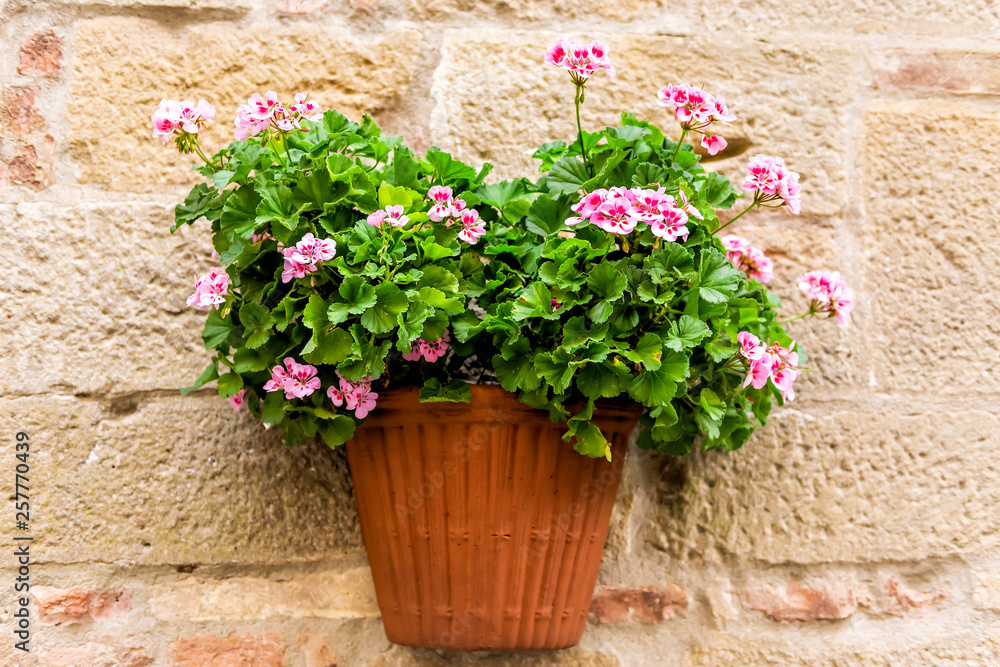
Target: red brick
{"points": [[27, 150], [973, 72], [236, 650], [646, 604], [902, 599], [41, 53], [59, 606], [832, 598]]}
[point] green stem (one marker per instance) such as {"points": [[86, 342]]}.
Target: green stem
{"points": [[677, 149], [579, 128], [797, 317], [736, 217], [201, 153]]}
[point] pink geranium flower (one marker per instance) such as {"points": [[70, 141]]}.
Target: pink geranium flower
{"points": [[750, 346], [394, 214], [442, 208], [581, 60], [828, 293], [472, 227], [751, 261], [616, 215], [430, 351], [361, 400], [237, 400], [696, 110], [713, 143], [305, 256], [295, 379], [771, 181], [172, 117], [210, 290], [260, 113]]}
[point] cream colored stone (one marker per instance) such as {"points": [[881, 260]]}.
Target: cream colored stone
{"points": [[790, 101], [96, 299], [965, 72], [123, 67], [538, 9], [349, 594], [929, 17], [941, 648], [933, 255], [850, 486], [987, 591], [177, 480]]}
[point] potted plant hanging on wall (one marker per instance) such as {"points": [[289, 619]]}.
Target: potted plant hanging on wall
{"points": [[485, 350]]}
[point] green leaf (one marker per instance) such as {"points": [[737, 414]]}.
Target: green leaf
{"points": [[390, 195], [686, 332], [557, 368], [273, 409], [648, 173], [456, 391], [607, 281], [547, 216], [438, 277], [276, 205], [210, 373], [589, 439], [535, 301], [648, 351], [239, 213], [717, 277], [328, 346], [229, 384], [336, 431], [195, 205], [447, 168], [358, 297], [256, 320], [567, 176], [216, 330], [314, 314], [514, 368], [390, 302], [433, 252], [575, 332], [604, 379], [709, 417], [718, 191]]}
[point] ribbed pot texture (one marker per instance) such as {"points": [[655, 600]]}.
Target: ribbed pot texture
{"points": [[484, 529]]}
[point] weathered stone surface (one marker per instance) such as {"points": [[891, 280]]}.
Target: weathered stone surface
{"points": [[41, 53], [315, 651], [834, 597], [400, 656], [177, 480], [236, 650], [973, 72], [59, 606], [349, 594], [850, 486], [943, 648], [789, 101], [95, 295], [538, 9], [646, 604], [99, 651], [903, 599], [720, 599], [935, 17], [987, 591], [225, 65], [931, 248], [27, 149]]}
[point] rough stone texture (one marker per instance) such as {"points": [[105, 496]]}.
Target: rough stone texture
{"points": [[537, 9], [236, 494], [99, 651], [931, 248], [835, 597], [41, 53], [99, 291], [236, 650], [58, 606], [221, 63], [903, 599], [27, 148], [349, 594], [315, 651], [850, 486], [647, 604], [952, 71], [952, 649], [987, 591], [512, 102]]}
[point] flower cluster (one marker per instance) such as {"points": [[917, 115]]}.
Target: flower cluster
{"points": [[828, 293], [472, 226], [181, 118], [304, 257], [210, 290], [445, 205], [751, 261], [775, 363], [770, 180], [430, 350], [618, 210], [581, 60], [297, 380], [392, 214], [260, 113], [696, 110], [358, 396]]}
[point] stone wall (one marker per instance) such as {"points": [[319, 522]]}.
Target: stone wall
{"points": [[860, 529]]}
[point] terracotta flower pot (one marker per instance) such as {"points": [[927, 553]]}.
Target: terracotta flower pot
{"points": [[483, 528]]}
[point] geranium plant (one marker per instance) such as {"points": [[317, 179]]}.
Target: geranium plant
{"points": [[351, 265]]}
